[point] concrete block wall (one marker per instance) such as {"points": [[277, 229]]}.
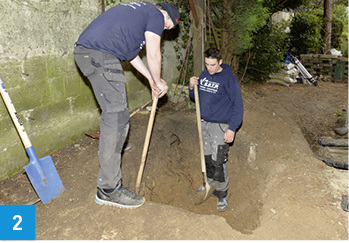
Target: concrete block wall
{"points": [[319, 65], [54, 102]]}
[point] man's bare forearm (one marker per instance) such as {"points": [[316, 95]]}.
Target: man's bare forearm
{"points": [[138, 64]]}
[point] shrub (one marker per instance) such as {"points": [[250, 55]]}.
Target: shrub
{"points": [[267, 54], [305, 33], [340, 28]]}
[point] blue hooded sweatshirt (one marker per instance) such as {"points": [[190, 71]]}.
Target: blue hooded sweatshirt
{"points": [[220, 97]]}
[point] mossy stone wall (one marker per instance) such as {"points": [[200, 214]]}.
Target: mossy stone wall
{"points": [[53, 100]]}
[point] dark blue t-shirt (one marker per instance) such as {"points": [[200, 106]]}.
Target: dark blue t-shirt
{"points": [[120, 30]]}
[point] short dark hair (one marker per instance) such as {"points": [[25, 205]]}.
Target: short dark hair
{"points": [[213, 53]]}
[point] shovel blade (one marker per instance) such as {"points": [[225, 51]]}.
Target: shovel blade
{"points": [[203, 193], [44, 178]]}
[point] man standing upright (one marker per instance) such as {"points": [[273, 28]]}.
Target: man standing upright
{"points": [[221, 109], [118, 35]]}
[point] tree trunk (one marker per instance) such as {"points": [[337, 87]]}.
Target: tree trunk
{"points": [[227, 33], [327, 30], [198, 13]]}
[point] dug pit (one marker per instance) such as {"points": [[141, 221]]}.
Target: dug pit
{"points": [[173, 170]]}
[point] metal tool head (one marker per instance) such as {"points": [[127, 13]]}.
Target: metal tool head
{"points": [[43, 176], [203, 193]]}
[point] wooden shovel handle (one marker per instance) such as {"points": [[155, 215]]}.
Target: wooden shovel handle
{"points": [[15, 118], [146, 143], [198, 119]]}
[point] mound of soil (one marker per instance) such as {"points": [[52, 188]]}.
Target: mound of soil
{"points": [[278, 189]]}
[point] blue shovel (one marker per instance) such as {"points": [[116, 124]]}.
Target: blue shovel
{"points": [[42, 172]]}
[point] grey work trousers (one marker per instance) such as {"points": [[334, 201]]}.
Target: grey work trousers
{"points": [[107, 78], [213, 137]]}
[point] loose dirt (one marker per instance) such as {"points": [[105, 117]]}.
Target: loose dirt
{"points": [[278, 189]]}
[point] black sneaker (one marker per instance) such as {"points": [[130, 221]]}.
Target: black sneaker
{"points": [[121, 197]]}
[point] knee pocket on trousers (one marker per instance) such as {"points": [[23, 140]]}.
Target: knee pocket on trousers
{"points": [[222, 154], [114, 100], [219, 174], [222, 158]]}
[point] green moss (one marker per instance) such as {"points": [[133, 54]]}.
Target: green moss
{"points": [[55, 105]]}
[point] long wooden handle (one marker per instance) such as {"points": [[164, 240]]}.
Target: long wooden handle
{"points": [[146, 143], [11, 109], [198, 119]]}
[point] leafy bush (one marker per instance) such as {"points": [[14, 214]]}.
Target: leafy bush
{"points": [[340, 28], [344, 42], [267, 54], [305, 33]]}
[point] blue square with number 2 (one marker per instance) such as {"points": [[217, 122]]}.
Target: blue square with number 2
{"points": [[17, 222]]}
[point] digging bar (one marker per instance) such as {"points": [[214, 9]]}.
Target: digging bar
{"points": [[146, 143], [42, 172], [204, 192]]}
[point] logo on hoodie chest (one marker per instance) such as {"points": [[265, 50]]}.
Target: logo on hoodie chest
{"points": [[208, 86]]}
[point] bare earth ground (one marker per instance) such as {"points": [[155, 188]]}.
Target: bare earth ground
{"points": [[278, 189]]}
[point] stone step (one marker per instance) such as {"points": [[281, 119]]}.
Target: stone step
{"points": [[333, 142]]}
